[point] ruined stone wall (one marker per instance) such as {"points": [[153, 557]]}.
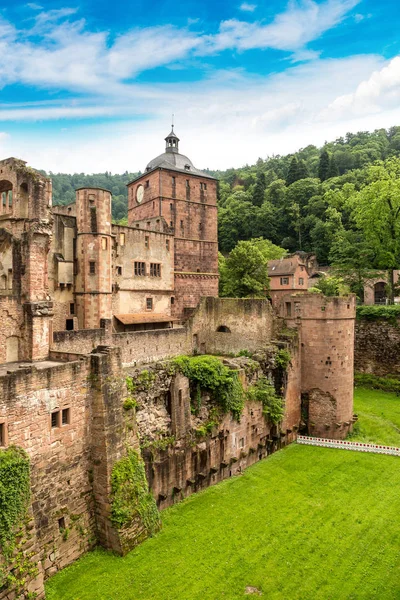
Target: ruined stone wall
{"points": [[152, 345], [62, 503], [228, 325], [186, 452], [377, 347], [82, 341]]}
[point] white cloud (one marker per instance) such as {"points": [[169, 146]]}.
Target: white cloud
{"points": [[377, 93], [34, 6], [246, 7]]}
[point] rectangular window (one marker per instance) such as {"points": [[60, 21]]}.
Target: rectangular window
{"points": [[10, 198], [288, 309], [104, 243], [171, 223], [55, 419], [155, 270], [173, 180], [69, 324], [149, 303], [65, 416], [181, 224], [205, 186], [146, 241], [4, 198], [148, 183], [301, 281], [72, 308], [201, 185], [172, 300], [200, 226], [122, 239], [119, 270], [140, 269], [284, 280], [92, 267], [167, 244]]}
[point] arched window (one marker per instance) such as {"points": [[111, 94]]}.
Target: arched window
{"points": [[223, 329], [6, 196]]}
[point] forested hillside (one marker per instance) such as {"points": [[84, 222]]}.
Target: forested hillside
{"points": [[297, 201]]}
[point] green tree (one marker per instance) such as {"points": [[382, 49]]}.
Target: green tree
{"points": [[245, 271], [375, 210], [333, 168], [259, 189], [323, 168], [302, 171], [293, 174]]}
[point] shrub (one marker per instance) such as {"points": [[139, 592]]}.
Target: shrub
{"points": [[374, 313], [207, 373], [282, 359], [373, 382], [273, 406], [130, 494]]}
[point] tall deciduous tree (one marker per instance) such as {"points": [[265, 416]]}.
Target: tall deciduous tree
{"points": [[245, 271], [376, 213], [293, 174], [259, 189]]}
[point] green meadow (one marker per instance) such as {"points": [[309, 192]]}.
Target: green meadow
{"points": [[307, 523]]}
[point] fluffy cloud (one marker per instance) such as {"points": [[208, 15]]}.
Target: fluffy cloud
{"points": [[377, 93], [246, 7]]}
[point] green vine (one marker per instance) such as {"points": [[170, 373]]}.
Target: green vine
{"points": [[282, 359], [273, 405], [16, 566], [207, 373], [130, 495]]}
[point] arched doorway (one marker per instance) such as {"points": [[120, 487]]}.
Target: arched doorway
{"points": [[380, 292]]}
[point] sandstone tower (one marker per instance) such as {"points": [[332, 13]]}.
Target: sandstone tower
{"points": [[93, 283], [326, 327], [186, 198]]}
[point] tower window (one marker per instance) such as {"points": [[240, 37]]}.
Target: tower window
{"points": [[149, 303], [187, 183], [55, 419], [167, 244], [119, 270], [181, 224], [171, 223], [72, 308], [104, 243], [140, 268], [92, 267], [65, 416], [122, 239], [172, 300], [146, 241], [173, 180], [155, 270], [147, 183]]}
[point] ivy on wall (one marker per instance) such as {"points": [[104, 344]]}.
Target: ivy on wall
{"points": [[209, 374], [16, 566], [273, 405], [130, 495]]}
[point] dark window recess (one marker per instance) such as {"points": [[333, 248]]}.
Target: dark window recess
{"points": [[288, 309], [65, 416], [2, 434], [61, 524], [93, 219], [155, 270], [187, 189], [167, 244], [181, 224], [284, 280], [172, 300], [55, 416], [69, 324], [301, 281], [147, 183], [168, 403], [92, 267], [140, 268], [72, 308], [173, 188], [149, 303], [119, 270]]}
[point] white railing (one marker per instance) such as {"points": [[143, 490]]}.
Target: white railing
{"points": [[348, 445]]}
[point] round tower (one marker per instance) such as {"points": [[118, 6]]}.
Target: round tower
{"points": [[326, 326], [93, 282]]}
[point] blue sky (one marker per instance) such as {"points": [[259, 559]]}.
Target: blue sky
{"points": [[91, 86]]}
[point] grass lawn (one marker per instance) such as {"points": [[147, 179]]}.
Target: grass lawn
{"points": [[307, 523], [379, 417]]}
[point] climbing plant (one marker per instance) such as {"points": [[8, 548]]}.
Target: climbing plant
{"points": [[283, 358], [130, 495], [16, 566], [208, 373], [273, 405]]}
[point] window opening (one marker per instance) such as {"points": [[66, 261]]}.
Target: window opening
{"points": [[149, 303], [140, 268], [92, 267]]}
